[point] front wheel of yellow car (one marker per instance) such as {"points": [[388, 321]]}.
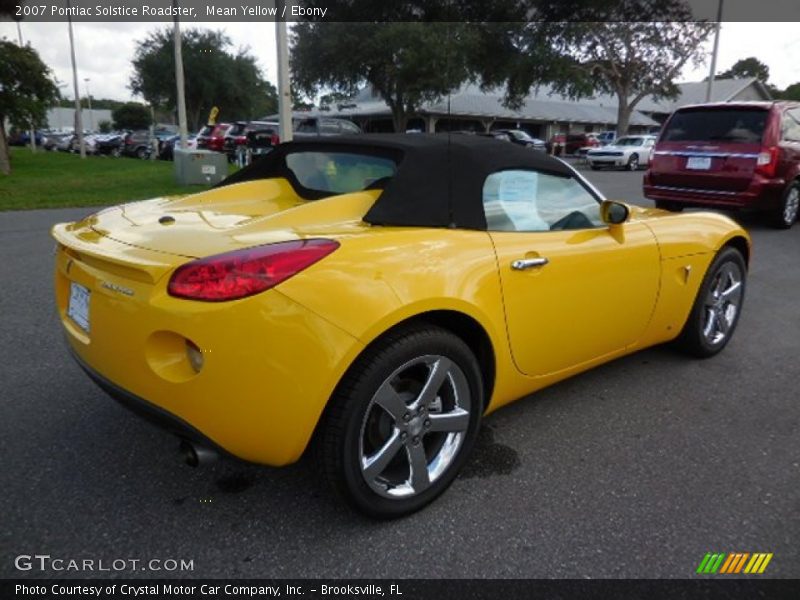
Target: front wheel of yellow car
{"points": [[403, 421], [717, 307]]}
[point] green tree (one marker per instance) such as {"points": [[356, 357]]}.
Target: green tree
{"points": [[215, 76], [131, 115], [584, 46], [746, 67], [792, 92], [634, 60], [27, 90], [104, 126], [97, 103], [405, 63]]}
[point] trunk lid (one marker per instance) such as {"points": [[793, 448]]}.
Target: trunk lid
{"points": [[229, 218]]}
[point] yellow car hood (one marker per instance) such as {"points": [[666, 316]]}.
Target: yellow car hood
{"points": [[229, 218]]}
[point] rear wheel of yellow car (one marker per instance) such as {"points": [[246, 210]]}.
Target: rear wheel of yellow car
{"points": [[717, 307], [403, 421]]}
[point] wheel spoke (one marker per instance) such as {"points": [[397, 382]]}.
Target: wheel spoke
{"points": [[418, 463], [455, 420], [436, 377], [731, 290], [390, 401], [721, 283], [374, 465], [711, 321], [722, 323]]}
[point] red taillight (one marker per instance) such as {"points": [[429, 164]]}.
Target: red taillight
{"points": [[274, 140], [767, 162], [246, 272]]}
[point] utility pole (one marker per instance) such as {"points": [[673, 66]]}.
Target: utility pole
{"points": [[284, 87], [31, 132], [89, 101], [176, 35], [78, 116], [713, 71]]}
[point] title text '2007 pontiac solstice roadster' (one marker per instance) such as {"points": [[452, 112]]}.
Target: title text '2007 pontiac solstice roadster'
{"points": [[378, 295]]}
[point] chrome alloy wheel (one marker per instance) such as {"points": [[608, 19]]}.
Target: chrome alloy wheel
{"points": [[792, 205], [722, 303], [414, 426]]}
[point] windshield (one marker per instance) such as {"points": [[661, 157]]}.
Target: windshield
{"points": [[737, 125], [338, 172], [629, 141], [520, 135]]}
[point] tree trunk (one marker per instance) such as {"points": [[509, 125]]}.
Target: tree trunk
{"points": [[195, 120], [623, 116], [5, 159], [399, 118]]}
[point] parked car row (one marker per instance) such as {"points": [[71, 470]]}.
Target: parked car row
{"points": [[520, 137], [517, 136], [240, 140], [235, 143], [563, 144]]}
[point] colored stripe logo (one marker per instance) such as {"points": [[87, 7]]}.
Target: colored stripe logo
{"points": [[734, 563]]}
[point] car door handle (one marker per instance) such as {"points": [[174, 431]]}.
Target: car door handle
{"points": [[528, 263]]}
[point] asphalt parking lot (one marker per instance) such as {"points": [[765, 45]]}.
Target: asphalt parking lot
{"points": [[635, 469]]}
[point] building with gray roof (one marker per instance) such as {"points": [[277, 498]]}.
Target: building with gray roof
{"points": [[543, 112]]}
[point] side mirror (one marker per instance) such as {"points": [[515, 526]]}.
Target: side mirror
{"points": [[614, 213]]}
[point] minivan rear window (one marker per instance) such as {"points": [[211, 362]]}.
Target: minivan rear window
{"points": [[733, 125]]}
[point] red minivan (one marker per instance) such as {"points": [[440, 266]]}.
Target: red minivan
{"points": [[729, 155]]}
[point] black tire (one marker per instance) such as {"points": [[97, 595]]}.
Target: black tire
{"points": [[633, 162], [141, 153], [786, 214], [696, 337], [356, 427], [116, 152], [670, 206]]}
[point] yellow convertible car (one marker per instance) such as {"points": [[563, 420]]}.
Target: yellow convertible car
{"points": [[373, 297]]}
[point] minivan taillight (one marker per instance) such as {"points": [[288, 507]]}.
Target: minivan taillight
{"points": [[274, 139], [767, 162], [242, 273]]}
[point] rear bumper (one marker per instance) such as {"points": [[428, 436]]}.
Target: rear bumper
{"points": [[147, 410], [269, 364], [760, 195]]}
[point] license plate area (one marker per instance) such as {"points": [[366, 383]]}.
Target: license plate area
{"points": [[78, 305], [698, 163]]}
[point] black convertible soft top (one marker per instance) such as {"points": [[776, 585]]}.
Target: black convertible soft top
{"points": [[439, 179]]}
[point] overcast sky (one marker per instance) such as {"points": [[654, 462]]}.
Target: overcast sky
{"points": [[104, 50]]}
